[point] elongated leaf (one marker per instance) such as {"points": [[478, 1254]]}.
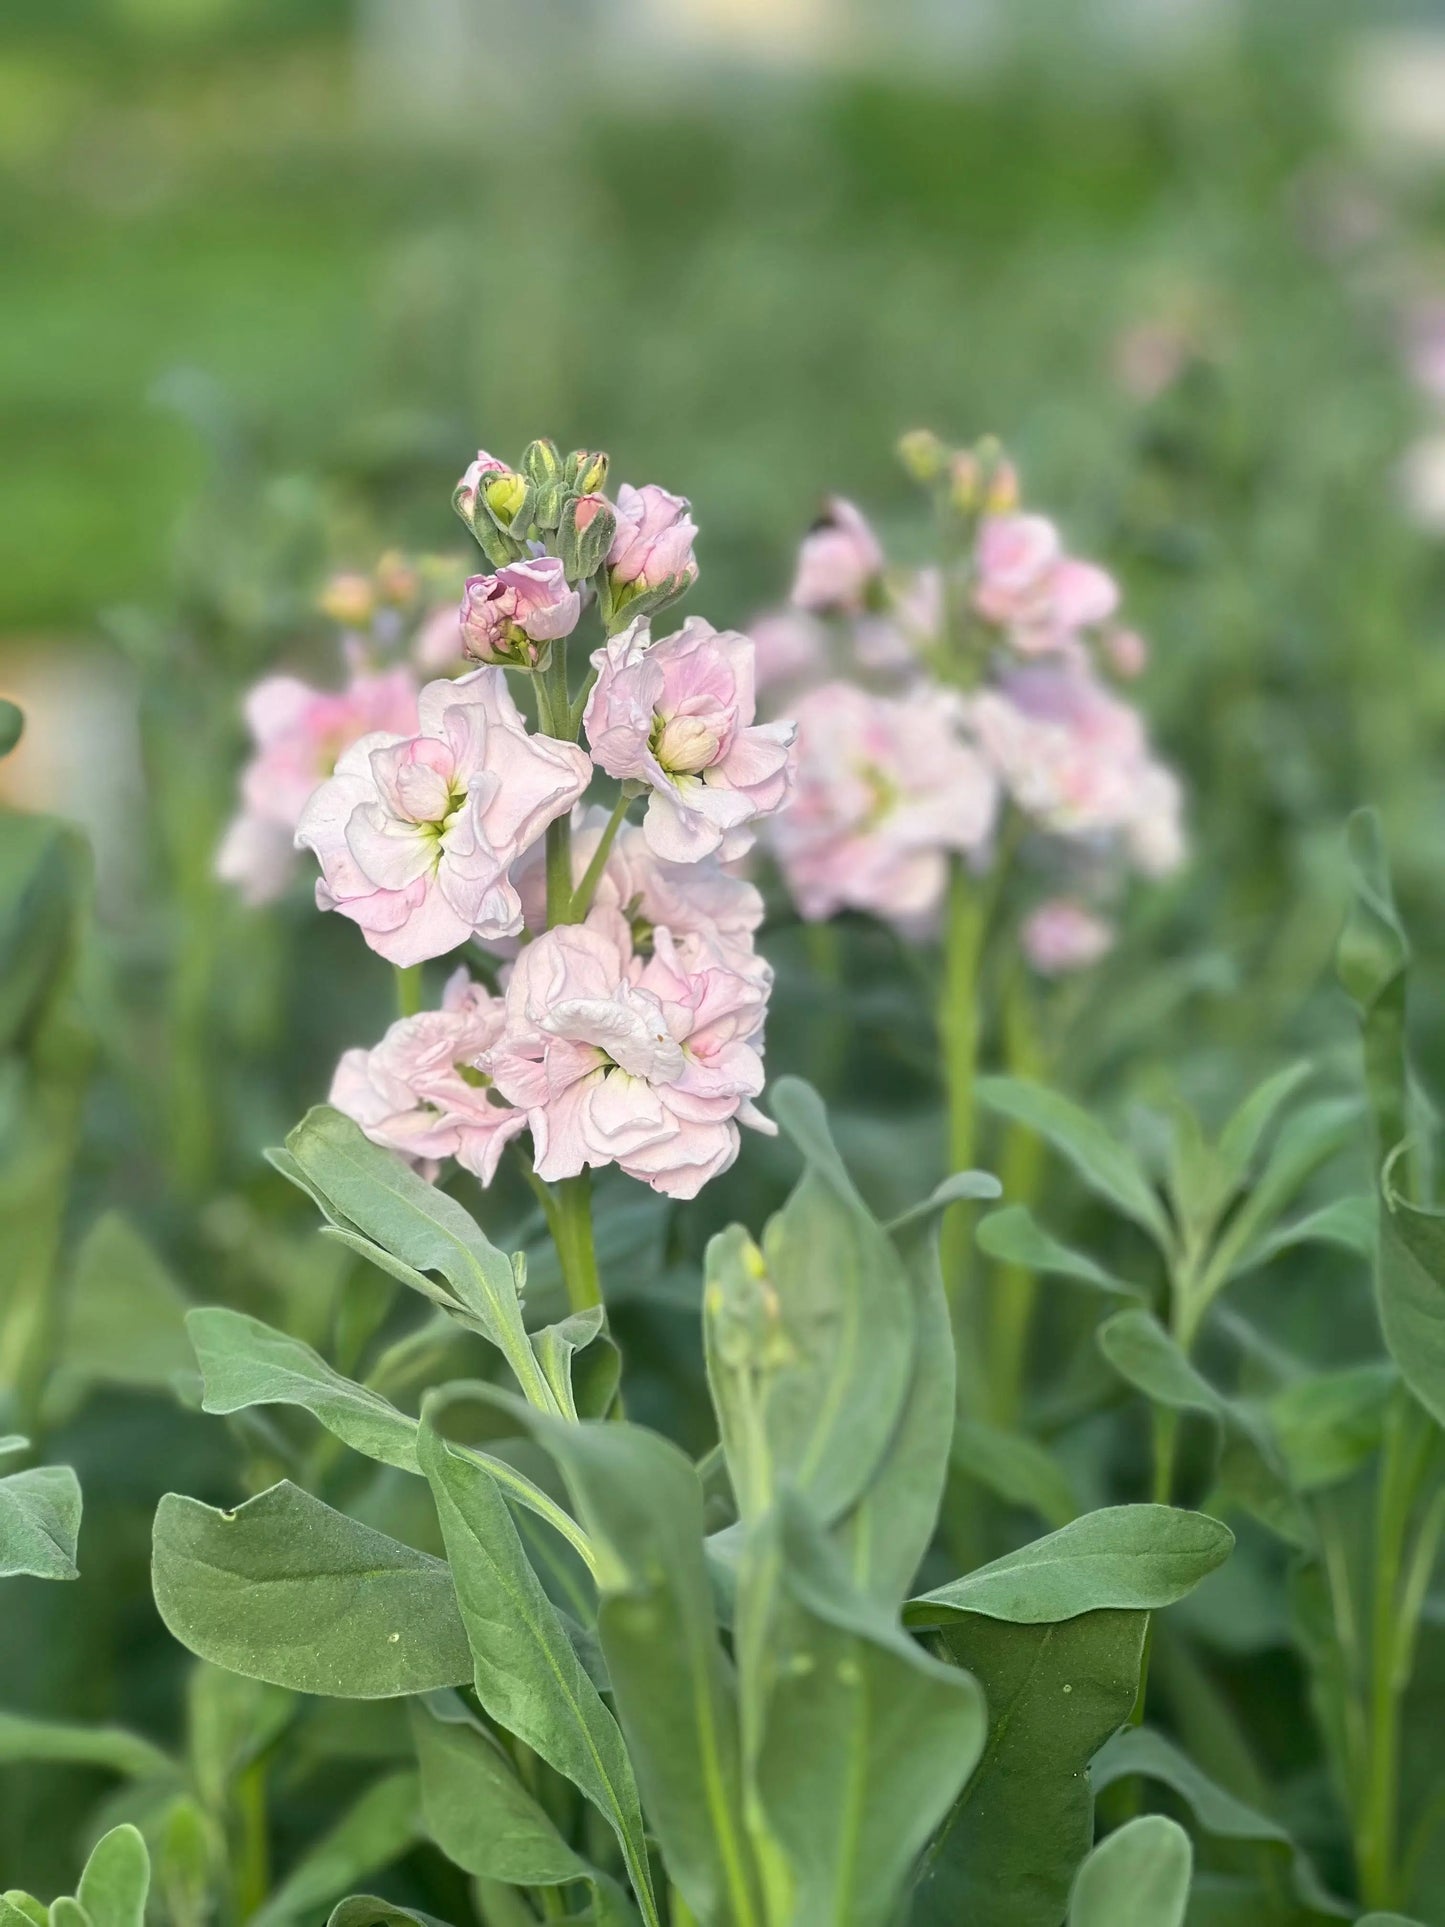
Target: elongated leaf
{"points": [[1142, 1752], [1330, 1423], [116, 1880], [1149, 1359], [1138, 1877], [1307, 1139], [1410, 1292], [1104, 1165], [580, 1363], [124, 1316], [23, 1910], [1016, 1469], [34, 1742], [524, 1667], [823, 1321], [375, 1831], [865, 1740], [287, 1590], [888, 1532], [40, 1523], [1347, 1222], [1007, 1852], [1372, 961], [477, 1810], [641, 1502], [1245, 1131], [245, 1362], [1014, 1237], [375, 1194], [1134, 1556]]}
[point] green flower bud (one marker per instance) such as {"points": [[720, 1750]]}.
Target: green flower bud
{"points": [[586, 472], [585, 535], [922, 454]]}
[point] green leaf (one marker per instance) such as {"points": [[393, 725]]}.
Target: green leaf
{"points": [[1410, 1291], [1138, 1751], [827, 1327], [1307, 1139], [1329, 1424], [12, 1443], [1245, 1131], [579, 1360], [1348, 1222], [1009, 1848], [124, 1316], [116, 1880], [889, 1530], [12, 725], [1372, 962], [477, 1810], [245, 1362], [1014, 1237], [231, 1722], [1135, 1556], [22, 1910], [641, 1501], [365, 1910], [959, 1187], [864, 1739], [1016, 1469], [524, 1667], [381, 1825], [374, 1196], [35, 1742], [1138, 1877], [40, 1523], [1104, 1165], [287, 1590], [1146, 1357]]}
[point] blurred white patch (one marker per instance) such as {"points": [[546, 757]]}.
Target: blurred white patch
{"points": [[79, 757], [1395, 93], [802, 31], [1421, 482]]}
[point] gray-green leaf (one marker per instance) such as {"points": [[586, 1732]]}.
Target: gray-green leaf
{"points": [[116, 1880], [1138, 1877], [40, 1523], [381, 1825]]}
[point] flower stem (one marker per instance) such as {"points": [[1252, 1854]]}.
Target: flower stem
{"points": [[1014, 1287], [582, 896], [408, 989], [573, 1234], [965, 932]]}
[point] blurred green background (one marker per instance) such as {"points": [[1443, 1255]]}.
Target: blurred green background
{"points": [[275, 268]]}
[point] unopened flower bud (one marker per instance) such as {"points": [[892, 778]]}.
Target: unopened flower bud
{"points": [[505, 497], [922, 454], [466, 494], [542, 465], [349, 598], [586, 472], [585, 534]]}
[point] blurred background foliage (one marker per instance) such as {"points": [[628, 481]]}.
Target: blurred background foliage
{"points": [[276, 267]]}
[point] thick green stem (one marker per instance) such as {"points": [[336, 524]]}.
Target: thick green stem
{"points": [[969, 904], [253, 1859], [572, 1231], [408, 989], [1015, 1287]]}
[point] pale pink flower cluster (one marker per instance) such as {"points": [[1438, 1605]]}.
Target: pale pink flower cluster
{"points": [[299, 733], [1062, 935], [653, 543], [964, 691], [677, 715]]}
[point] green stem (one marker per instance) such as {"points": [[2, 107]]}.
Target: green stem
{"points": [[1390, 1643], [582, 896], [253, 1860], [572, 1232], [966, 929], [408, 989], [1015, 1287]]}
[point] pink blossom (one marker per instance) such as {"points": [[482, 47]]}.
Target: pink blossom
{"points": [[1425, 345], [299, 732], [1062, 936], [1126, 652], [483, 469], [789, 647], [416, 836], [1077, 760], [505, 616], [710, 914], [654, 539], [886, 789], [642, 1062], [838, 562], [424, 1090], [677, 714], [437, 644], [1032, 589]]}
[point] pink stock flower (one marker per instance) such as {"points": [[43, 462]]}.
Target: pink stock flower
{"points": [[886, 788], [436, 648], [416, 835], [838, 562], [677, 714], [654, 539], [710, 914], [1032, 589], [424, 1089], [505, 616], [1077, 760], [299, 732], [789, 647], [1062, 936], [647, 1063], [481, 470]]}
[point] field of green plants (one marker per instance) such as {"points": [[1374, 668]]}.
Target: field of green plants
{"points": [[718, 1162]]}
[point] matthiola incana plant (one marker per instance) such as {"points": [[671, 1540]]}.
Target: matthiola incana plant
{"points": [[771, 1684]]}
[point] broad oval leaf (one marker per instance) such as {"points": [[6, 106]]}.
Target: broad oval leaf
{"points": [[287, 1590], [40, 1523], [1137, 1877], [116, 1880], [1139, 1557]]}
